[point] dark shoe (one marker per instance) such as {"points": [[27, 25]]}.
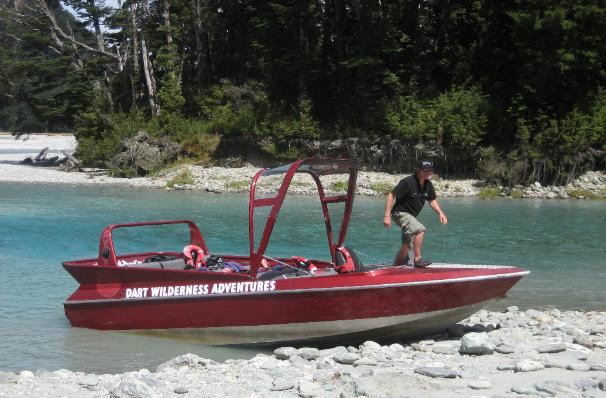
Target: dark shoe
{"points": [[406, 261], [420, 263]]}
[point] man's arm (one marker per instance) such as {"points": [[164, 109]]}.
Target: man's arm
{"points": [[436, 207], [388, 206]]}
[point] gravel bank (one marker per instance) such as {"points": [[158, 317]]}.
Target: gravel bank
{"points": [[223, 179], [492, 354]]}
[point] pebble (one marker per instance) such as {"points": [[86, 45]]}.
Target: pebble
{"points": [[505, 349], [282, 384], [527, 365], [441, 372], [285, 352], [309, 389], [552, 348], [554, 387], [347, 358], [89, 380], [180, 390], [476, 344], [308, 353], [479, 385], [365, 361], [597, 366], [581, 366], [586, 384]]}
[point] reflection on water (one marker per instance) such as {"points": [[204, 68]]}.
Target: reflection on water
{"points": [[560, 242]]}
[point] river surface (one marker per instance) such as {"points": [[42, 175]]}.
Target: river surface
{"points": [[562, 243]]}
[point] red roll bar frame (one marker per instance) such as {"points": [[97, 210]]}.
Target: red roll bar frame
{"points": [[316, 168], [107, 251]]}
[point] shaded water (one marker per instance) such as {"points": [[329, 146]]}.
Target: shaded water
{"points": [[561, 242]]}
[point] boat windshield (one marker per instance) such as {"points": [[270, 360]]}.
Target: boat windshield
{"points": [[318, 167]]}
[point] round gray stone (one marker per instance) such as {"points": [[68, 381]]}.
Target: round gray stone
{"points": [[180, 390], [346, 358], [285, 352], [551, 348], [308, 353]]}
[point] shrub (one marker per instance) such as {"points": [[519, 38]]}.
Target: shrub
{"points": [[489, 193], [579, 193], [381, 187], [339, 186], [237, 185], [517, 194], [457, 117], [183, 178]]}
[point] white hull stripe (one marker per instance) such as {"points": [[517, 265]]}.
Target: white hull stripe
{"points": [[377, 327], [311, 290]]}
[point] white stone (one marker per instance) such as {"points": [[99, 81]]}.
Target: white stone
{"points": [[476, 344], [528, 365]]}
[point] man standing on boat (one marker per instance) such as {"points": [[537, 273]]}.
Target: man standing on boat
{"points": [[409, 196]]}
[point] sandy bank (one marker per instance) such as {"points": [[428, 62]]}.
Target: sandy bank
{"points": [[492, 354]]}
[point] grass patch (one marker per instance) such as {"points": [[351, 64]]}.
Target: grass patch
{"points": [[183, 178], [489, 193], [381, 187], [237, 185], [517, 194], [339, 186], [300, 184], [583, 193]]}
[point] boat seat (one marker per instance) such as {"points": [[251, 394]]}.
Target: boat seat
{"points": [[170, 264], [282, 273]]}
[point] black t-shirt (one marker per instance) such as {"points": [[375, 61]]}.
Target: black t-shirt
{"points": [[409, 197]]}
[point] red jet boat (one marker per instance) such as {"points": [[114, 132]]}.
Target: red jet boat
{"points": [[230, 299]]}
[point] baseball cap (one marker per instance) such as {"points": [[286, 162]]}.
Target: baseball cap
{"points": [[425, 165]]}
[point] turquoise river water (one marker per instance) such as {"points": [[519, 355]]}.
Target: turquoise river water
{"points": [[562, 243]]}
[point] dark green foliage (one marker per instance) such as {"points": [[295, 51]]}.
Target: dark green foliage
{"points": [[508, 91]]}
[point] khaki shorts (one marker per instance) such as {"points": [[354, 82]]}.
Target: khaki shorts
{"points": [[409, 224]]}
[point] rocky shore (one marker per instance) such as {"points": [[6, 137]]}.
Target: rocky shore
{"points": [[492, 354], [591, 185]]}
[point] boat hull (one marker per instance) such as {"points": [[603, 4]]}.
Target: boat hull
{"points": [[397, 303]]}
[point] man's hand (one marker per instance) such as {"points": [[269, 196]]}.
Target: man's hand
{"points": [[387, 221], [443, 218]]}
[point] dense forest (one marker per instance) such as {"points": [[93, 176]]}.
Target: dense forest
{"points": [[510, 91]]}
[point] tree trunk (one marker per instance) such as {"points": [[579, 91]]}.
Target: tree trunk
{"points": [[134, 76], [203, 64], [150, 80], [166, 17]]}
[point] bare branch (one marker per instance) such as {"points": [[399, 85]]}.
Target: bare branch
{"points": [[14, 37], [61, 33]]}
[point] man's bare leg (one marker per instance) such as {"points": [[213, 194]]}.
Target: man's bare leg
{"points": [[401, 254], [418, 244]]}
